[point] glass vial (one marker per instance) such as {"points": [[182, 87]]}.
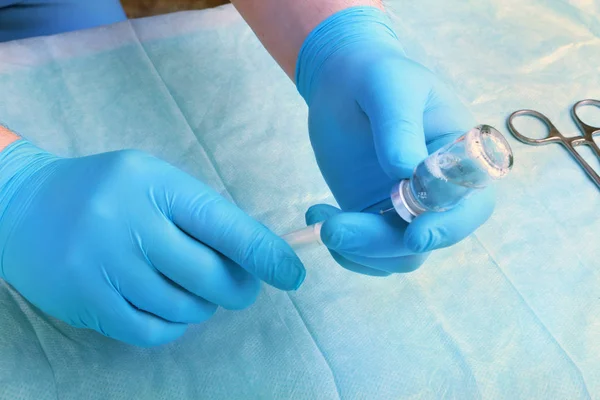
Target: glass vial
{"points": [[453, 173]]}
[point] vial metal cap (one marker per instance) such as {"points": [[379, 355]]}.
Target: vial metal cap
{"points": [[402, 203]]}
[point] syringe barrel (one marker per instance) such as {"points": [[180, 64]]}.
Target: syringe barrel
{"points": [[304, 238]]}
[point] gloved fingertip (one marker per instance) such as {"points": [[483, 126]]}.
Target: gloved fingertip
{"points": [[398, 170], [314, 216], [156, 333], [402, 164], [420, 242], [290, 274], [300, 277], [319, 213], [333, 235]]}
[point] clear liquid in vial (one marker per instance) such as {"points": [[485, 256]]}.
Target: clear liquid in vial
{"points": [[443, 180], [453, 173]]}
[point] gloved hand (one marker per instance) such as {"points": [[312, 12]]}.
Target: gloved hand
{"points": [[27, 18], [373, 116], [129, 245]]}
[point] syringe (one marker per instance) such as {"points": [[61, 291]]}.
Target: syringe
{"points": [[305, 238], [441, 181]]}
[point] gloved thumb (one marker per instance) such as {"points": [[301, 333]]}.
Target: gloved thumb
{"points": [[320, 213], [395, 110]]}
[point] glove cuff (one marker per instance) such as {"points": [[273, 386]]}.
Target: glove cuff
{"points": [[352, 25], [19, 161]]}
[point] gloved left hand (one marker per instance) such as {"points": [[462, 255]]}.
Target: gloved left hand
{"points": [[128, 245], [373, 116]]}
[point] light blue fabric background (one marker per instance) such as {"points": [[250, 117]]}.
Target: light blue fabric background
{"points": [[511, 313]]}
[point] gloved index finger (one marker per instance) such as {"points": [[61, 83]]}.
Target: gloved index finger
{"points": [[395, 108], [209, 218]]}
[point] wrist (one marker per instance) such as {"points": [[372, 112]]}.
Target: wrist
{"points": [[6, 137], [283, 25], [363, 27]]}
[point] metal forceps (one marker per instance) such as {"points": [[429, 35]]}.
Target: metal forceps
{"points": [[554, 136]]}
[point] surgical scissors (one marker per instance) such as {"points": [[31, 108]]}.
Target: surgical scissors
{"points": [[554, 136]]}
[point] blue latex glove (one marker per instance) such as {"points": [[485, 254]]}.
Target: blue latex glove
{"points": [[373, 116], [26, 18], [129, 245]]}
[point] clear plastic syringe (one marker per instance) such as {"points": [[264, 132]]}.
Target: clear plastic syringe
{"points": [[304, 238], [441, 181]]}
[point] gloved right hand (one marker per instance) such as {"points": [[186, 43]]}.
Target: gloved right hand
{"points": [[374, 115], [128, 245]]}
